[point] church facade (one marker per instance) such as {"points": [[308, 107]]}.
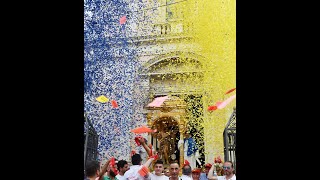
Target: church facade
{"points": [[159, 48]]}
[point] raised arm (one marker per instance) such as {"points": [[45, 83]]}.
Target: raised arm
{"points": [[147, 164], [144, 171], [104, 169], [143, 143], [210, 173]]}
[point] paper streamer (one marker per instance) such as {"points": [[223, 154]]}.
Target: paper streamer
{"points": [[157, 102], [231, 90], [226, 102]]}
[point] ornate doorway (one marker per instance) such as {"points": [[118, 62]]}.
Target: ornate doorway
{"points": [[170, 121]]}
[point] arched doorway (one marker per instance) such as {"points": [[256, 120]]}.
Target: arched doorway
{"points": [[179, 75], [170, 122]]}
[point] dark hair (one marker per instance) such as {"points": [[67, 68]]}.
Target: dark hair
{"points": [[186, 170], [91, 168], [136, 159], [158, 162], [121, 164], [230, 163], [234, 171], [173, 162]]}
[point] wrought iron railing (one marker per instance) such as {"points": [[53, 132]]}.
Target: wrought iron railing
{"points": [[91, 142], [229, 138]]}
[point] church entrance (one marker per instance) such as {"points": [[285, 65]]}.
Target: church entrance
{"points": [[166, 139], [177, 115]]}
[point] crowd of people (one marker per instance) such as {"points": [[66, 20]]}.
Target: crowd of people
{"points": [[154, 169]]}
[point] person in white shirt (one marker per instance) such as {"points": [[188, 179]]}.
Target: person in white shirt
{"points": [[174, 169], [134, 172], [228, 172], [158, 168], [186, 172], [122, 168]]}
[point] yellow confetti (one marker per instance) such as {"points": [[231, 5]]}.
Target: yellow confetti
{"points": [[102, 99]]}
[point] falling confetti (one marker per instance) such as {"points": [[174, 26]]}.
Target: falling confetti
{"points": [[212, 108], [102, 99], [114, 104], [142, 129], [181, 48], [123, 20], [157, 102]]}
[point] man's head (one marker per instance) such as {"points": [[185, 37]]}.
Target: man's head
{"points": [[158, 167], [174, 170], [207, 168], [110, 172], [136, 159], [228, 168], [122, 166], [92, 169], [186, 170], [196, 174]]}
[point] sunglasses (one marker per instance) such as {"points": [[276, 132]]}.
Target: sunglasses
{"points": [[226, 167]]}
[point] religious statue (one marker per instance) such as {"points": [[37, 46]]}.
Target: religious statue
{"points": [[191, 152], [164, 139]]}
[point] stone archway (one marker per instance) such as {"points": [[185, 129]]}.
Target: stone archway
{"points": [[164, 75]]}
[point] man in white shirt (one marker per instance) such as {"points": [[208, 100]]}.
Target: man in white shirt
{"points": [[174, 169], [135, 171], [228, 172], [122, 168], [186, 172], [158, 168]]}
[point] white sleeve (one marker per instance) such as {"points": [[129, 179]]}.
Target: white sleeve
{"points": [[221, 178], [197, 154], [180, 143]]}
